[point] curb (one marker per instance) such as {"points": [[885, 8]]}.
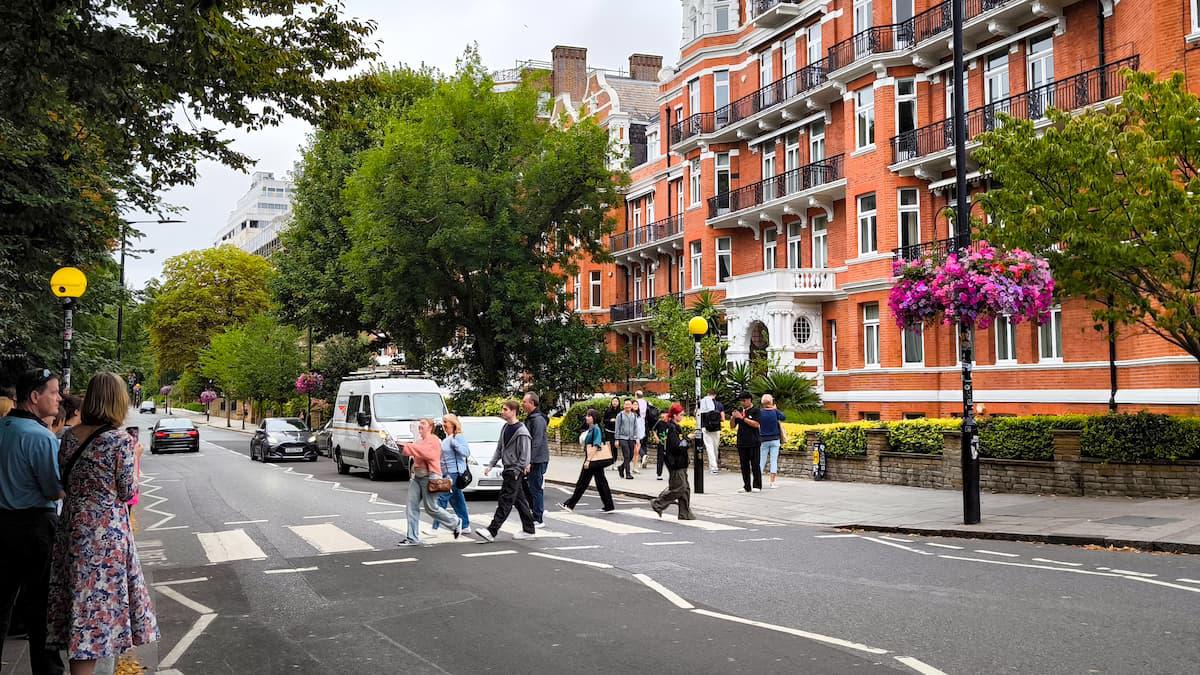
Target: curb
{"points": [[1065, 539], [615, 491]]}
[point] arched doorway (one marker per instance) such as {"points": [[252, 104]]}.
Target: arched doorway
{"points": [[760, 339]]}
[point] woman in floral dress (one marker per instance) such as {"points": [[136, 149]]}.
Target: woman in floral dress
{"points": [[99, 604]]}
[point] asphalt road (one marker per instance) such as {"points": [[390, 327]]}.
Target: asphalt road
{"points": [[291, 568]]}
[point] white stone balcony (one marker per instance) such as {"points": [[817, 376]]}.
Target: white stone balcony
{"points": [[814, 284]]}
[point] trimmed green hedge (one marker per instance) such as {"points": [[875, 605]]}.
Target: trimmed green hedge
{"points": [[1140, 438], [921, 436], [194, 407], [845, 440], [1026, 437]]}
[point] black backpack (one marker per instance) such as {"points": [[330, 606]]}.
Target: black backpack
{"points": [[711, 421]]}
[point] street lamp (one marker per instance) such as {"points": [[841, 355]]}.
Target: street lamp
{"points": [[69, 284], [698, 327], [121, 300], [962, 239]]}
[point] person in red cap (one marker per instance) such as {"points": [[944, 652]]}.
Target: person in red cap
{"points": [[675, 455]]}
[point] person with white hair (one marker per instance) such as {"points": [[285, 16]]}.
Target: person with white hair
{"points": [[770, 434]]}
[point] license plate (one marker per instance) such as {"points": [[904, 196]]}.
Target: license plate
{"points": [[178, 435], [294, 451]]}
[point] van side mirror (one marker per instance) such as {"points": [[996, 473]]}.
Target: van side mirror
{"points": [[363, 419]]}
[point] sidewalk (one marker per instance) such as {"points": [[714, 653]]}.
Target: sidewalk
{"points": [[1151, 524]]}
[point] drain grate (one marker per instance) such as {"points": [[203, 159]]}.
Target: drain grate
{"points": [[1139, 521]]}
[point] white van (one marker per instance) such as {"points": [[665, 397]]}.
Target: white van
{"points": [[375, 412]]}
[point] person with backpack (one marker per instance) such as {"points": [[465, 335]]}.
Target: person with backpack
{"points": [[712, 416], [675, 454]]}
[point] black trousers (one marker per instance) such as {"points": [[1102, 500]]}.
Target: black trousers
{"points": [[25, 572], [512, 493], [594, 470], [749, 459], [626, 446]]}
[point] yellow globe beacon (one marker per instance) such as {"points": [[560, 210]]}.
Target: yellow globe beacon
{"points": [[68, 282], [697, 326]]}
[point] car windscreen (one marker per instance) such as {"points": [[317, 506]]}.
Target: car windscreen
{"points": [[482, 431], [174, 424], [395, 407], [286, 425]]}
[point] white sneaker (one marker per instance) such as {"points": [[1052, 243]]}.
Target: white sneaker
{"points": [[758, 489], [714, 472], [521, 534], [773, 486], [538, 523], [482, 533]]}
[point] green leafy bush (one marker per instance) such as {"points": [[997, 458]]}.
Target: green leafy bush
{"points": [[488, 406], [848, 439], [789, 388], [810, 416], [1141, 437], [194, 407], [921, 436], [572, 424], [1027, 437]]}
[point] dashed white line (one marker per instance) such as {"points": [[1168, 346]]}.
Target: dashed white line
{"points": [[935, 544], [327, 515], [903, 541], [380, 513], [1156, 582], [246, 522], [1189, 581], [1058, 562], [761, 539], [589, 563], [571, 548], [919, 665], [666, 543], [177, 582], [836, 536], [1132, 573], [486, 554], [999, 553], [793, 631], [390, 561], [895, 545], [1036, 567], [667, 593], [184, 600], [290, 570]]}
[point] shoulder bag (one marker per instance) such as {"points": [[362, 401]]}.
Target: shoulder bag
{"points": [[464, 477], [603, 451], [66, 470], [437, 485]]}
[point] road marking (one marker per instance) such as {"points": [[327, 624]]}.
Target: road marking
{"points": [[389, 562], [1036, 567], [329, 538], [182, 646], [176, 582], [184, 600], [919, 665], [289, 570], [163, 529], [895, 545], [836, 536], [1058, 562], [327, 515], [582, 548], [247, 522], [229, 545], [1189, 581], [487, 554], [439, 536], [514, 526], [667, 593], [380, 513], [698, 524], [903, 541], [761, 539], [589, 563], [952, 548], [1002, 555], [666, 543], [762, 523], [610, 526], [1156, 582], [1136, 574], [794, 631]]}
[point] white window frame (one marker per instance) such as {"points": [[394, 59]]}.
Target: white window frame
{"points": [[769, 170], [791, 161], [863, 15], [724, 177], [637, 282], [651, 145], [694, 174], [1194, 6], [820, 241], [651, 272], [833, 365], [693, 89], [812, 43], [650, 209], [720, 82], [595, 295], [868, 224], [816, 141], [770, 247], [724, 251], [913, 210], [864, 118], [950, 91], [680, 272], [639, 342], [909, 99], [994, 74], [870, 336], [651, 351], [577, 297], [913, 360], [1054, 333], [637, 214], [697, 254], [680, 198], [720, 11], [1003, 327], [795, 245], [766, 68]]}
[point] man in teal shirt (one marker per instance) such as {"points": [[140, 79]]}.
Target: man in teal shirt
{"points": [[29, 488]]}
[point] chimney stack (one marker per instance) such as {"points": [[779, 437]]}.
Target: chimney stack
{"points": [[570, 71], [645, 67]]}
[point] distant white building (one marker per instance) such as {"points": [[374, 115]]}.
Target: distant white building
{"points": [[260, 215]]}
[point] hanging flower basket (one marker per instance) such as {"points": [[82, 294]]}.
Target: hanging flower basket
{"points": [[309, 383], [974, 288], [208, 396]]}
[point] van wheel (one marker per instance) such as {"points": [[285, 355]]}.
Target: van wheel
{"points": [[373, 471], [341, 466]]}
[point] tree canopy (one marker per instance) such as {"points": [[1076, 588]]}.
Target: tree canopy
{"points": [[1112, 199], [259, 360]]}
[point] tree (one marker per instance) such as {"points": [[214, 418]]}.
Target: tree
{"points": [[466, 220], [107, 102], [1112, 199], [337, 357], [572, 359], [202, 293], [668, 321], [311, 288], [258, 361]]}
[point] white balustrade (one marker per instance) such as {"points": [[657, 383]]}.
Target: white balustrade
{"points": [[788, 281]]}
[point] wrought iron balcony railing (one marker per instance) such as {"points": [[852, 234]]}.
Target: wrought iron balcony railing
{"points": [[639, 309], [1077, 91], [937, 250], [647, 234], [762, 99], [787, 183]]}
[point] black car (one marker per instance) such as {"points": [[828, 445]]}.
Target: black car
{"points": [[324, 439], [282, 438], [173, 434]]}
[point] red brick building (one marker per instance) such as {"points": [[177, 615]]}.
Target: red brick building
{"points": [[798, 146]]}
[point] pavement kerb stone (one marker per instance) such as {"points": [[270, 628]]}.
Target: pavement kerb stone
{"points": [[1065, 539], [615, 490]]}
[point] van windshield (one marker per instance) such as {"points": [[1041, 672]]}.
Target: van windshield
{"points": [[408, 406]]}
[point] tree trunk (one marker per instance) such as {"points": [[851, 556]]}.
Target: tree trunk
{"points": [[1112, 361]]}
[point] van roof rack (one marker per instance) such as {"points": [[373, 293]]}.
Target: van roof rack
{"points": [[383, 372]]}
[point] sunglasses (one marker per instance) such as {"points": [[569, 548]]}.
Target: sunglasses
{"points": [[43, 376]]}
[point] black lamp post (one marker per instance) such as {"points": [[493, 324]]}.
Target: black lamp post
{"points": [[697, 326]]}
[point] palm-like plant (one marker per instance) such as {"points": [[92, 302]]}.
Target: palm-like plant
{"points": [[790, 389], [738, 377]]}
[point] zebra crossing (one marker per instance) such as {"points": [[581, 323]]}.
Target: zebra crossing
{"points": [[381, 532]]}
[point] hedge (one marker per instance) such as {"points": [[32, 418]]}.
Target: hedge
{"points": [[1026, 437], [194, 407], [572, 424], [1140, 438], [920, 436]]}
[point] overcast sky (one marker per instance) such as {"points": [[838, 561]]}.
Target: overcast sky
{"points": [[414, 32]]}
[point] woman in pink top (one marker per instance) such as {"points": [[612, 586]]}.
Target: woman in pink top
{"points": [[426, 454]]}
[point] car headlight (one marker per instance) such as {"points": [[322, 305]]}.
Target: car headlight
{"points": [[312, 439], [389, 441]]}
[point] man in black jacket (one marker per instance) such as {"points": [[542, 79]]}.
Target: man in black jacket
{"points": [[539, 455], [745, 420], [675, 455]]}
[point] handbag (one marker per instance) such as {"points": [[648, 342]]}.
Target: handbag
{"points": [[439, 485], [603, 451], [464, 477]]}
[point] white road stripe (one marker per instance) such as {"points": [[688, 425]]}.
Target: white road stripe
{"points": [[229, 545], [698, 524], [836, 536], [589, 563], [667, 593], [329, 538], [1036, 567], [903, 541], [177, 582], [389, 561], [761, 539], [919, 665], [793, 631], [327, 515], [953, 548], [1002, 555], [163, 529], [380, 513], [289, 570], [666, 543], [572, 548], [486, 554], [188, 638], [1189, 581], [1058, 562], [895, 545], [1156, 582], [440, 536], [513, 525], [246, 522], [182, 599], [611, 526], [1132, 573]]}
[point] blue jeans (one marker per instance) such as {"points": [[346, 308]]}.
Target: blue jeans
{"points": [[418, 496], [456, 499], [770, 450], [535, 489]]}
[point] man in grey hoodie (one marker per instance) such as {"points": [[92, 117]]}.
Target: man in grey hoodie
{"points": [[512, 452], [539, 455]]}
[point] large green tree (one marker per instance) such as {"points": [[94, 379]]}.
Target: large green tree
{"points": [[669, 323], [1112, 199], [258, 360], [311, 286], [464, 222], [103, 103], [337, 357], [203, 293]]}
